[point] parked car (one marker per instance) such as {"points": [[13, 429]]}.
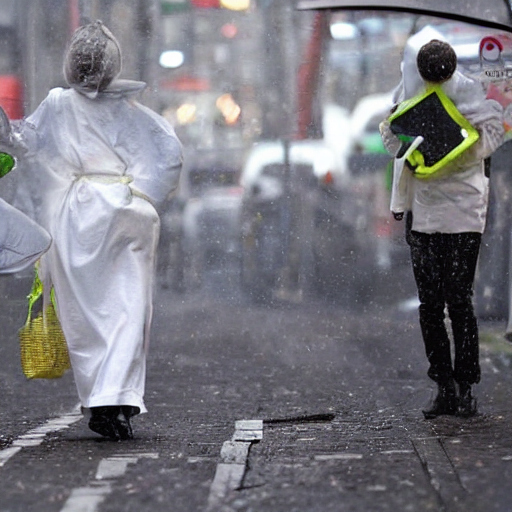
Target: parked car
{"points": [[370, 169], [211, 219], [285, 186], [200, 224], [200, 228]]}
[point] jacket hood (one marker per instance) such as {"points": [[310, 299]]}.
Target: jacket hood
{"points": [[462, 90]]}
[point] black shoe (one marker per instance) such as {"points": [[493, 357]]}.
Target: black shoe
{"points": [[104, 421], [467, 403], [124, 427], [445, 403], [123, 421]]}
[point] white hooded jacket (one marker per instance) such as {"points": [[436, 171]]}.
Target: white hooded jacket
{"points": [[458, 201]]}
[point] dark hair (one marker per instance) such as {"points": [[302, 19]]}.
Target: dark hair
{"points": [[436, 61]]}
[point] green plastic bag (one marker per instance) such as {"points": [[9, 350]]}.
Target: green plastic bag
{"points": [[7, 163]]}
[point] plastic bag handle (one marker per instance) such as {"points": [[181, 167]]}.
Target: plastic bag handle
{"points": [[35, 293]]}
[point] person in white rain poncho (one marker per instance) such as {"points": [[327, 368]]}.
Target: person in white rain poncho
{"points": [[445, 221], [22, 241], [103, 162]]}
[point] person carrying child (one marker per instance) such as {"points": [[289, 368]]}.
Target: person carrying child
{"points": [[446, 216]]}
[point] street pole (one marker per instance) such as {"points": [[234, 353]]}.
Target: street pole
{"points": [[73, 16], [88, 11]]}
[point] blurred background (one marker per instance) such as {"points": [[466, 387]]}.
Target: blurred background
{"points": [[285, 187]]}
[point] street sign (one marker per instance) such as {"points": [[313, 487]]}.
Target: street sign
{"points": [[174, 6]]}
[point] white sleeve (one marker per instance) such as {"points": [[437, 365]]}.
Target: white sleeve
{"points": [[153, 152], [488, 121], [400, 198], [401, 187], [22, 241]]}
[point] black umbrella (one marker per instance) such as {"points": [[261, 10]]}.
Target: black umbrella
{"points": [[487, 13]]}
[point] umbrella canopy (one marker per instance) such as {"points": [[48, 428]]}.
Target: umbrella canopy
{"points": [[487, 13]]}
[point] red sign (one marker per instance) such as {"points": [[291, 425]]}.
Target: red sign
{"points": [[186, 83], [11, 96], [206, 4]]}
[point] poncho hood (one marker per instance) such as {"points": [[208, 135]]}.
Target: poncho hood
{"points": [[93, 59]]}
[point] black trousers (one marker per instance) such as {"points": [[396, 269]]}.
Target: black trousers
{"points": [[444, 268]]}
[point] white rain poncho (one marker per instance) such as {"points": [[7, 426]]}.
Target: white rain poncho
{"points": [[22, 241], [102, 161], [456, 202]]}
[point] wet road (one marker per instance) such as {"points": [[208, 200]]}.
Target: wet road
{"points": [[311, 406]]}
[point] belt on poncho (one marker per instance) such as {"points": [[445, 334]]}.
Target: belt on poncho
{"points": [[112, 178]]}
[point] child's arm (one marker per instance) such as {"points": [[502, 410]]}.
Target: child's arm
{"points": [[390, 140]]}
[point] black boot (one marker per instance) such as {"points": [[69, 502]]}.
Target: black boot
{"points": [[444, 403], [104, 421], [467, 403], [123, 421]]}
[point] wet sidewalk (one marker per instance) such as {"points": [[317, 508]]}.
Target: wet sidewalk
{"points": [[301, 408], [343, 430], [390, 459]]}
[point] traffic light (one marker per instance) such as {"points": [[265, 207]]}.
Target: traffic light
{"points": [[174, 6]]}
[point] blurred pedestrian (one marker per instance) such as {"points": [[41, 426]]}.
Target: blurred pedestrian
{"points": [[445, 220], [22, 241], [103, 162]]}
